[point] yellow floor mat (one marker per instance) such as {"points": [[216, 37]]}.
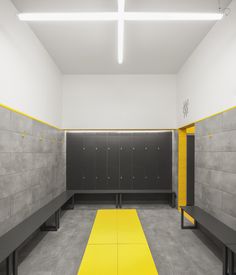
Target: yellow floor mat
{"points": [[104, 230], [117, 246], [129, 227], [135, 259], [99, 260]]}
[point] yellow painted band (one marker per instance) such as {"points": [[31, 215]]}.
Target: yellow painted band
{"points": [[31, 117], [201, 119]]}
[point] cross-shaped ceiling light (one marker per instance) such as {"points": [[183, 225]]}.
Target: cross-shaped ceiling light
{"points": [[121, 16]]}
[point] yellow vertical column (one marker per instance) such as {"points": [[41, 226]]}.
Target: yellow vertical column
{"points": [[182, 167]]}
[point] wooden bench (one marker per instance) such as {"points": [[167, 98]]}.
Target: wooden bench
{"points": [[225, 234], [119, 193], [13, 239]]}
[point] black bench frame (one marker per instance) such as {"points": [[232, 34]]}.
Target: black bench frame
{"points": [[13, 239], [119, 193], [229, 239], [231, 250]]}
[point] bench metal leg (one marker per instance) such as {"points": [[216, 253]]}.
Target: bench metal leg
{"points": [[12, 264], [117, 200], [70, 205], [15, 262], [225, 261], [55, 227], [8, 265], [188, 226], [173, 200], [120, 203], [231, 263]]}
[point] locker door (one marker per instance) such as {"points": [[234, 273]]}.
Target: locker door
{"points": [[165, 160], [112, 161], [139, 163], [74, 161], [126, 158], [101, 161], [151, 156], [88, 155]]}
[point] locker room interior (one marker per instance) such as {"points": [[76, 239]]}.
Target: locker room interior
{"points": [[117, 137]]}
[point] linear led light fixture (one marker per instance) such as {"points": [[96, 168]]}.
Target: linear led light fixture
{"points": [[69, 16], [121, 27], [127, 16], [120, 17], [172, 16]]}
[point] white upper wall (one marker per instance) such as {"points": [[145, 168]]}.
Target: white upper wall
{"points": [[119, 101], [29, 80], [208, 78]]}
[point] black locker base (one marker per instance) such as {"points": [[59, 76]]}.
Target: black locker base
{"points": [[118, 197]]}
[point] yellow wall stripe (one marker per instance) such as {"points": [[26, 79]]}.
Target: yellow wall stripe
{"points": [[31, 117]]}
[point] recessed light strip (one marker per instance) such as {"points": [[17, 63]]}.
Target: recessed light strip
{"points": [[127, 16], [70, 16], [172, 16], [121, 23]]}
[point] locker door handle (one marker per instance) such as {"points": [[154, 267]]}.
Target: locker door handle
{"points": [[121, 178]]}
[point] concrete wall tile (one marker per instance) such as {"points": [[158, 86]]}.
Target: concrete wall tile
{"points": [[229, 120], [5, 209], [5, 164], [228, 162], [20, 201], [209, 126], [21, 124], [208, 160], [229, 204], [10, 142], [5, 119]]}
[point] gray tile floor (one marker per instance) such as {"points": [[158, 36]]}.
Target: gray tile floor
{"points": [[175, 251]]}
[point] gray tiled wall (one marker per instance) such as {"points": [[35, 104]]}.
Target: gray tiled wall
{"points": [[32, 166], [215, 173], [175, 163]]}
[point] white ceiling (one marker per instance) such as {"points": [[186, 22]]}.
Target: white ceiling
{"points": [[91, 47]]}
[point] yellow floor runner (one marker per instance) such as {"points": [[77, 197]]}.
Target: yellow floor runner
{"points": [[117, 245]]}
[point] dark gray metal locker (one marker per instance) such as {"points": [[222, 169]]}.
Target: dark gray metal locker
{"points": [[126, 161], [88, 162], [152, 159], [112, 161], [165, 160], [74, 162], [139, 163], [101, 161]]}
